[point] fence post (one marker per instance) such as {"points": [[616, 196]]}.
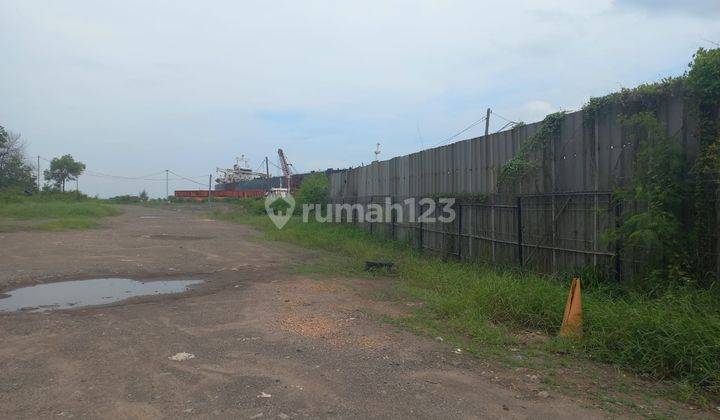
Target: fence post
{"points": [[519, 230], [459, 230], [393, 217], [420, 227], [618, 245], [372, 200], [492, 227], [717, 237]]}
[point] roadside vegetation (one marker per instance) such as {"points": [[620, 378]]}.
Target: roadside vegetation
{"points": [[26, 206], [51, 211]]}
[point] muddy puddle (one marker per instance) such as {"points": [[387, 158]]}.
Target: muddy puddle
{"points": [[81, 293]]}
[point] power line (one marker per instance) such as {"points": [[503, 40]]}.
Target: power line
{"points": [[123, 178], [507, 124], [187, 179], [461, 131], [503, 118], [142, 177], [273, 164], [104, 175]]}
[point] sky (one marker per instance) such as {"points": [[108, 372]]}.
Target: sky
{"points": [[132, 88]]}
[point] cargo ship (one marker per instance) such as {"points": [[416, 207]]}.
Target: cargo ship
{"points": [[240, 181]]}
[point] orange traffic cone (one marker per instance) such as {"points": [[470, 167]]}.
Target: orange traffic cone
{"points": [[572, 320]]}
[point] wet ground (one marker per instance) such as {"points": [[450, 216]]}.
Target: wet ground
{"points": [[83, 293], [252, 341]]}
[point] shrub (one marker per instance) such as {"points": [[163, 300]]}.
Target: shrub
{"points": [[314, 189]]}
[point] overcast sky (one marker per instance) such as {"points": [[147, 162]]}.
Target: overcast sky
{"points": [[134, 87]]}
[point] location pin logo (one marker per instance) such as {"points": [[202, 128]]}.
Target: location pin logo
{"points": [[279, 217]]}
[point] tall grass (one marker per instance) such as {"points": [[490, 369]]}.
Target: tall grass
{"points": [[27, 210], [54, 211], [671, 335]]}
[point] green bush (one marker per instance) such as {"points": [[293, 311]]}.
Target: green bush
{"points": [[125, 199], [314, 189]]}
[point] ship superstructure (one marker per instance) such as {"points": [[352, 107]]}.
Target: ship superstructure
{"points": [[240, 172]]}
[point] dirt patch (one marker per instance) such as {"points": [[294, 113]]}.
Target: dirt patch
{"points": [[309, 326], [169, 237], [264, 343]]}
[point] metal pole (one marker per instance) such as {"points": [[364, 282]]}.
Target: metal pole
{"points": [[393, 217], [618, 245], [167, 190], [519, 231], [459, 216], [596, 150], [487, 122], [267, 173], [38, 173], [372, 200], [553, 180], [419, 221], [492, 226], [210, 190], [487, 140]]}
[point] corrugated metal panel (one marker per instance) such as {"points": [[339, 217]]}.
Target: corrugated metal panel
{"points": [[589, 154]]}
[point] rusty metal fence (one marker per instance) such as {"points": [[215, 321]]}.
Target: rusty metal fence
{"points": [[546, 233]]}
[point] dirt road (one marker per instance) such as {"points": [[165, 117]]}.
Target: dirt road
{"points": [[267, 343]]}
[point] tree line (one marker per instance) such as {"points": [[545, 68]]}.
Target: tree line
{"points": [[17, 172]]}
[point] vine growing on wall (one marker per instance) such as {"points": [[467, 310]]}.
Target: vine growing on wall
{"points": [[675, 232], [525, 160], [653, 237], [647, 96], [703, 82]]}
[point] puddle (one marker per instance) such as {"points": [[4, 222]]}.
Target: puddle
{"points": [[81, 293]]}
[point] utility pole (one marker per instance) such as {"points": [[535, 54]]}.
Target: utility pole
{"points": [[487, 141], [487, 123], [267, 173], [38, 172], [167, 191], [210, 190]]}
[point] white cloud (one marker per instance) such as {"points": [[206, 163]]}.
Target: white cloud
{"points": [[133, 86]]}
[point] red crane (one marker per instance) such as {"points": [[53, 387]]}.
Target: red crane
{"points": [[285, 167]]}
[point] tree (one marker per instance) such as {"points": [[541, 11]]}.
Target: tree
{"points": [[15, 171], [143, 196], [63, 169], [314, 189]]}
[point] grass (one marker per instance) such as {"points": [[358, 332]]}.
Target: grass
{"points": [[68, 224], [52, 212], [28, 210], [674, 335]]}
